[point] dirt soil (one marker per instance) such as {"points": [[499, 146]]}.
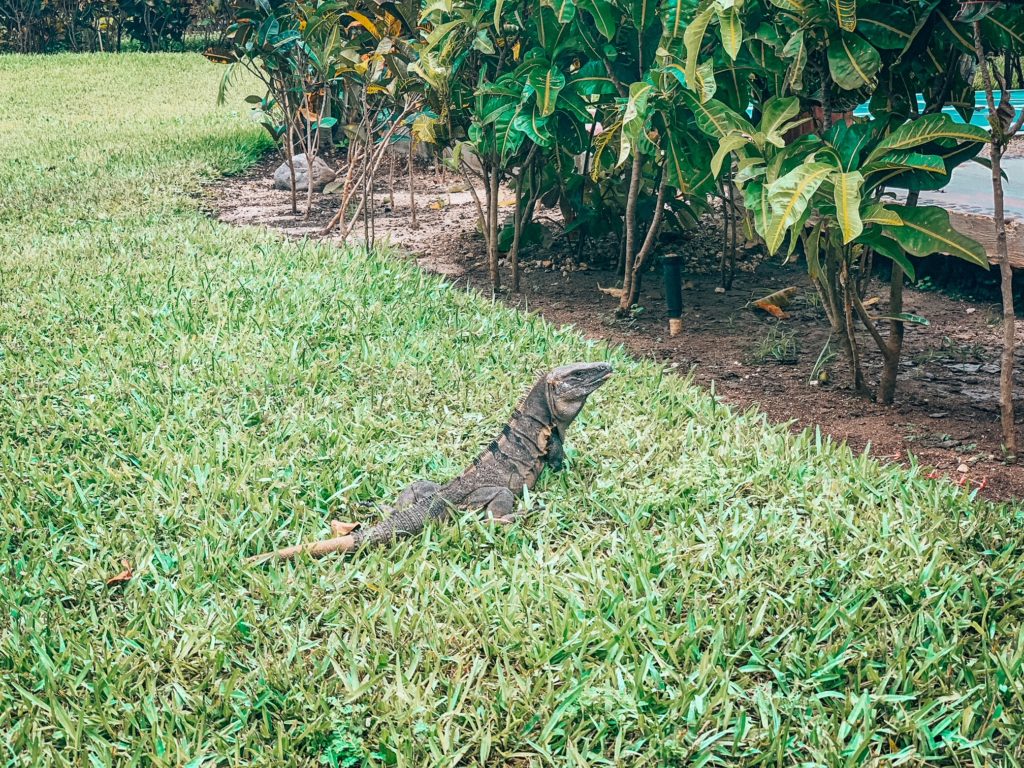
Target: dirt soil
{"points": [[947, 411]]}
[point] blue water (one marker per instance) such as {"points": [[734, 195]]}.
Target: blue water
{"points": [[980, 116]]}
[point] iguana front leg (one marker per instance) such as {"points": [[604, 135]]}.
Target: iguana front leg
{"points": [[556, 453], [498, 502]]}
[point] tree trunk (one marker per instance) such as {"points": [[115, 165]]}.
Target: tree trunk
{"points": [[522, 215], [310, 152], [491, 224], [1000, 136], [649, 240], [893, 350], [517, 233], [894, 346], [412, 183], [1006, 410], [290, 150], [630, 226], [842, 289]]}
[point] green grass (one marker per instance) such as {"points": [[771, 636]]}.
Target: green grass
{"points": [[698, 588]]}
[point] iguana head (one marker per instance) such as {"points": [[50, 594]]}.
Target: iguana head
{"points": [[568, 387]]}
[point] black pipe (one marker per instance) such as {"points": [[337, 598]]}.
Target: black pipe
{"points": [[671, 265]]}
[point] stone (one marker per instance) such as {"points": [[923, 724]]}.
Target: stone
{"points": [[322, 174]]}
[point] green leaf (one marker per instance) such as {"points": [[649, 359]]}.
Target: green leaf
{"points": [[642, 12], [547, 83], [573, 106], [796, 6], [925, 129], [796, 50], [565, 10], [678, 72], [534, 126], [890, 249], [790, 196], [755, 198], [776, 113], [847, 194], [906, 317], [726, 145], [706, 85], [679, 169], [731, 30], [849, 142], [634, 118], [674, 16], [846, 14], [508, 137], [876, 213], [592, 79], [572, 134], [886, 26], [604, 15], [715, 119], [693, 37], [926, 230], [852, 61], [906, 161]]}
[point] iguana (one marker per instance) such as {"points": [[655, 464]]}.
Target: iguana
{"points": [[531, 440]]}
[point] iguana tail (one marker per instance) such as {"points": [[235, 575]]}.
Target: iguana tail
{"points": [[314, 549]]}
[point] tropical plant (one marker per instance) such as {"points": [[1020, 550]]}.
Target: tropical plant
{"points": [[498, 72], [156, 24], [828, 191], [292, 49]]}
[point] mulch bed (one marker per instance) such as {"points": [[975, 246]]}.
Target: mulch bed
{"points": [[947, 409]]}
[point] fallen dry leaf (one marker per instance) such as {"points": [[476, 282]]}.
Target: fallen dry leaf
{"points": [[773, 303], [772, 309], [123, 576], [338, 528]]}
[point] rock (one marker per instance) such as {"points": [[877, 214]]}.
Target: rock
{"points": [[962, 468], [322, 174], [719, 289]]}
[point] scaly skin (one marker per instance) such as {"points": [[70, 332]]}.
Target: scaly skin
{"points": [[531, 441]]}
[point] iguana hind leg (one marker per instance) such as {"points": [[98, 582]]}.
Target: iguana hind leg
{"points": [[415, 493]]}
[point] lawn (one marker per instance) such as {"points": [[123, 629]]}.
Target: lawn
{"points": [[697, 588]]}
